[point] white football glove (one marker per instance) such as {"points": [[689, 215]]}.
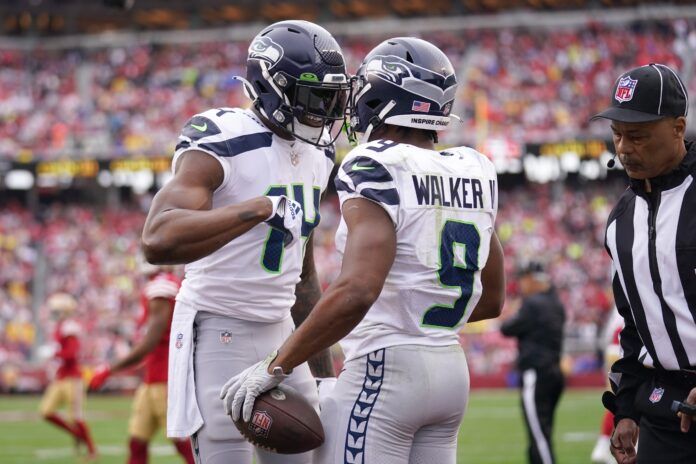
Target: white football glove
{"points": [[286, 217], [243, 389]]}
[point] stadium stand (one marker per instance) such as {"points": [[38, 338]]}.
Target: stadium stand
{"points": [[521, 85]]}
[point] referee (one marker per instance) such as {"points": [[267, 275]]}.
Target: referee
{"points": [[538, 327], [651, 238]]}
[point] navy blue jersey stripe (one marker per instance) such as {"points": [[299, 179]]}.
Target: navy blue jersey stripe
{"points": [[363, 169], [181, 145], [342, 186], [387, 197], [238, 145]]}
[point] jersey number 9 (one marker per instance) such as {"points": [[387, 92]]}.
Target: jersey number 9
{"points": [[456, 270]]}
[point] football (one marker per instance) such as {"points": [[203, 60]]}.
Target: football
{"points": [[282, 421]]}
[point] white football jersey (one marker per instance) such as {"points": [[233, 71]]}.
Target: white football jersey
{"points": [[253, 277], [443, 206]]}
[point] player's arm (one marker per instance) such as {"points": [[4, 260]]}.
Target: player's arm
{"points": [[367, 259], [522, 322], [182, 227], [158, 316], [307, 294], [493, 281]]}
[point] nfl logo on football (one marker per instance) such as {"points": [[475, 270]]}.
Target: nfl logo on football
{"points": [[625, 89], [260, 424]]}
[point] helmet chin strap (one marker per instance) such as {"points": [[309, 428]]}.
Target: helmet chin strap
{"points": [[251, 94], [380, 117], [267, 76]]}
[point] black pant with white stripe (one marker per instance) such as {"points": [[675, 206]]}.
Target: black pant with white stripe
{"points": [[541, 390]]}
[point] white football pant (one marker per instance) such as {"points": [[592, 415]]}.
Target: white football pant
{"points": [[223, 348], [396, 405]]}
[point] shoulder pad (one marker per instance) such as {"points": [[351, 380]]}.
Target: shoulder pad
{"points": [[367, 175], [225, 132]]}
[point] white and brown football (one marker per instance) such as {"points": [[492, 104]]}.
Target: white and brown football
{"points": [[284, 422]]}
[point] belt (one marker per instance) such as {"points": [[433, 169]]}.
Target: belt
{"points": [[684, 377]]}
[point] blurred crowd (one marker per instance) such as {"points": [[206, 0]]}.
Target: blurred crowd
{"points": [[562, 226], [524, 85], [87, 252], [92, 253]]}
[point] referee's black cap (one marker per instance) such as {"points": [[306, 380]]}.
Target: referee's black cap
{"points": [[647, 93], [526, 267]]}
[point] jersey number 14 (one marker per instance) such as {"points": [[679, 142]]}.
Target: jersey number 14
{"points": [[273, 249]]}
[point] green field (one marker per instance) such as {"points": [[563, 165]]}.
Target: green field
{"points": [[492, 431]]}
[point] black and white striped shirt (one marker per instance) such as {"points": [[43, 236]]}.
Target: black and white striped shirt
{"points": [[651, 238]]}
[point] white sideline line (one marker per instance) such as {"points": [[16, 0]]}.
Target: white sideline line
{"points": [[579, 436], [47, 454]]}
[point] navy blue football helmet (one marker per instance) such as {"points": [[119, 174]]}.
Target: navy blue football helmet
{"points": [[296, 77], [404, 82]]}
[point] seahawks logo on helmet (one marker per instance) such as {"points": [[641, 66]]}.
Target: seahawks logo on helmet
{"points": [[264, 48], [400, 72], [389, 69]]}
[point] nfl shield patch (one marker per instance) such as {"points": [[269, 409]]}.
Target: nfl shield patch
{"points": [[625, 89], [260, 424], [656, 394], [225, 337], [421, 107], [179, 340]]}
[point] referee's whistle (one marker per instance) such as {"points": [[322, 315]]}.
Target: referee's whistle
{"points": [[688, 409]]}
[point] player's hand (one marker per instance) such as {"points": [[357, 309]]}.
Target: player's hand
{"points": [[99, 377], [685, 418], [623, 441], [286, 217], [240, 392]]}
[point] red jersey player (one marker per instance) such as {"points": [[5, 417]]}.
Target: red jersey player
{"points": [[612, 352], [67, 387], [149, 411]]}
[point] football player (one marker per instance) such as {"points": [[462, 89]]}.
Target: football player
{"points": [[601, 453], [240, 211], [67, 388], [420, 259], [149, 411]]}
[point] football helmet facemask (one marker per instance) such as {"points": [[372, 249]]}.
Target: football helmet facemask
{"points": [[296, 77], [403, 81]]}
